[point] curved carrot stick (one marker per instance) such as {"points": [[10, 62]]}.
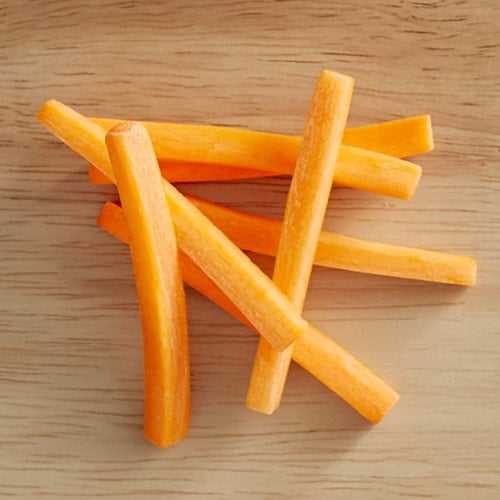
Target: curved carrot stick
{"points": [[276, 153], [158, 280]]}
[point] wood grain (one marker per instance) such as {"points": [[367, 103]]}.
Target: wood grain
{"points": [[70, 345]]}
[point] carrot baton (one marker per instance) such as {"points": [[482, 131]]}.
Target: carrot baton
{"points": [[277, 154], [250, 289], [316, 352], [153, 248], [401, 138], [191, 172], [304, 213], [261, 235]]}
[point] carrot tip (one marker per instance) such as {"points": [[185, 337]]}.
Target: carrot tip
{"points": [[127, 128]]}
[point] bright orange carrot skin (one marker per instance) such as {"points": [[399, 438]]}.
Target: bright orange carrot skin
{"points": [[356, 167], [249, 288], [317, 353], [304, 213], [159, 285]]}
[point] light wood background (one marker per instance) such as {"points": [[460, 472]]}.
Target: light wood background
{"points": [[70, 344]]}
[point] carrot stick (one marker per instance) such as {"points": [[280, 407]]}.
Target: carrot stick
{"points": [[261, 235], [304, 213], [356, 168], [153, 249], [191, 172], [402, 138], [317, 353], [365, 170], [249, 288]]}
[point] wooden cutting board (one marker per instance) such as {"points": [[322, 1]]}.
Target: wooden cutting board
{"points": [[70, 343]]}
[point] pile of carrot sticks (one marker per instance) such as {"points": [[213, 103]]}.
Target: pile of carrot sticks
{"points": [[175, 238]]}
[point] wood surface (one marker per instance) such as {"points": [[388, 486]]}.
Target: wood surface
{"points": [[70, 344]]}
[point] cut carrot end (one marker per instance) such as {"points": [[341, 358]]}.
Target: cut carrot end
{"points": [[400, 138], [267, 382], [352, 380]]}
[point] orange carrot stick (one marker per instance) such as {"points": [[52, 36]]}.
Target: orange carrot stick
{"points": [[261, 235], [191, 172], [356, 168], [159, 285], [365, 170], [317, 353], [402, 137], [250, 289], [304, 213]]}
